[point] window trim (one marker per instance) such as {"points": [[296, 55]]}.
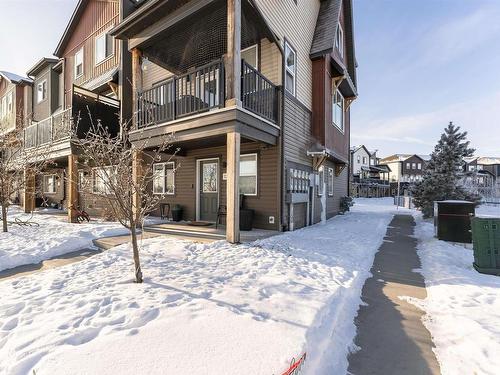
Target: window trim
{"points": [[330, 182], [76, 76], [106, 58], [44, 98], [256, 174], [256, 47], [336, 92], [294, 72], [339, 45], [45, 176], [164, 187]]}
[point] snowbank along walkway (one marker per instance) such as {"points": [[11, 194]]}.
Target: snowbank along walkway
{"points": [[391, 337]]}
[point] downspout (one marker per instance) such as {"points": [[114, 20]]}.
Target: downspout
{"points": [[282, 141]]}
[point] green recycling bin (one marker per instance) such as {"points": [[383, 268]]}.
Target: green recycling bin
{"points": [[486, 240]]}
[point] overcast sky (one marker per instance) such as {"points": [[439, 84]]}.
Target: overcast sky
{"points": [[422, 63]]}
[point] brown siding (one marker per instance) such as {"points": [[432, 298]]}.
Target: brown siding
{"points": [[98, 17], [42, 110], [153, 75], [265, 203], [297, 131]]}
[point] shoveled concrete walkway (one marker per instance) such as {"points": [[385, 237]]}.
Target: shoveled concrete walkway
{"points": [[391, 335]]}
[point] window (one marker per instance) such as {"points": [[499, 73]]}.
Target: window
{"points": [[339, 41], [101, 183], [251, 56], [81, 181], [330, 182], [290, 68], [79, 63], [41, 91], [3, 107], [49, 184], [9, 102], [413, 165], [364, 159], [419, 166], [104, 47], [408, 165], [163, 178], [358, 159], [338, 110], [248, 174], [321, 181]]}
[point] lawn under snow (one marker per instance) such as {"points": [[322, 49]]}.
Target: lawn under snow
{"points": [[54, 236], [462, 306], [203, 308]]}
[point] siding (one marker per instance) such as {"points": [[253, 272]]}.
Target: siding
{"points": [[270, 61], [42, 110], [297, 132], [284, 18], [265, 204], [153, 75], [98, 17]]}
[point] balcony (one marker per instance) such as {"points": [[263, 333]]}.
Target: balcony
{"points": [[52, 129], [203, 90]]}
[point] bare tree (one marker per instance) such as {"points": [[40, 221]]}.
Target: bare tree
{"points": [[122, 176], [15, 162]]}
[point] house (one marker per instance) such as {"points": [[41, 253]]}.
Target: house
{"points": [[85, 76], [483, 173], [405, 170], [257, 95], [15, 97], [368, 179], [361, 159]]}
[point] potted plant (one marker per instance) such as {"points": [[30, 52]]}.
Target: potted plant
{"points": [[177, 212]]}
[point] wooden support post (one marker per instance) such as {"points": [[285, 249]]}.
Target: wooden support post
{"points": [[136, 83], [29, 191], [233, 187], [233, 55], [72, 180], [137, 171]]}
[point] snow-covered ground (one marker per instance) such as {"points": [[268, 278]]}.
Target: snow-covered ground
{"points": [[52, 237], [462, 306], [203, 308]]}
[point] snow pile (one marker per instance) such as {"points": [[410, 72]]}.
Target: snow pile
{"points": [[488, 210], [52, 237], [462, 306], [203, 308]]}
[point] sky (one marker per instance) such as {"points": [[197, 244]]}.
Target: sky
{"points": [[422, 64]]}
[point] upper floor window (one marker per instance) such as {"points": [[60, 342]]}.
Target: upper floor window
{"points": [[3, 107], [408, 165], [290, 69], [364, 159], [251, 56], [79, 63], [358, 159], [10, 102], [338, 110], [104, 47], [339, 41], [419, 166], [414, 166], [41, 91]]}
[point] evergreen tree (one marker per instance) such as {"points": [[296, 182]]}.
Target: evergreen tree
{"points": [[443, 174]]}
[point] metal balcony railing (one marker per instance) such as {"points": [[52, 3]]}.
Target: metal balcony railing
{"points": [[51, 129]]}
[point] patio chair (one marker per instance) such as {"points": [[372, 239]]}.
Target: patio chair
{"points": [[221, 212]]}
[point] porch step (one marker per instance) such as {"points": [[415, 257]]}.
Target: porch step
{"points": [[106, 243], [186, 233]]}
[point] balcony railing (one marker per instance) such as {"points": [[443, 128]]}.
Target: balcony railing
{"points": [[258, 94], [181, 96], [51, 129], [202, 90]]}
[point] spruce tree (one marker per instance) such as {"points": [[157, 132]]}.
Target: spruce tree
{"points": [[443, 173]]}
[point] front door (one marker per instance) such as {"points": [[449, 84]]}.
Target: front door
{"points": [[208, 189]]}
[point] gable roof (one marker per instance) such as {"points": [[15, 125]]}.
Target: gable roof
{"points": [[357, 148], [14, 78], [399, 157], [70, 27], [42, 63], [326, 30], [488, 160]]}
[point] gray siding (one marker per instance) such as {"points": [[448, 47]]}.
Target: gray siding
{"points": [[297, 131], [42, 110]]}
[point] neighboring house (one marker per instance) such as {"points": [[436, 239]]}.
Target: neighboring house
{"points": [[404, 167], [360, 162], [15, 100], [483, 173], [85, 77], [257, 93]]}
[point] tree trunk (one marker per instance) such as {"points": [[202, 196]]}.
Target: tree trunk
{"points": [[4, 217], [137, 261]]}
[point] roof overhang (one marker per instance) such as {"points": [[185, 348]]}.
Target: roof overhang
{"points": [[70, 27], [41, 64]]}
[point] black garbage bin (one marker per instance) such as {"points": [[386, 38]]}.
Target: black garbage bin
{"points": [[177, 213], [452, 220], [246, 219]]}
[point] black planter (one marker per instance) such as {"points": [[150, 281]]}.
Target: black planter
{"points": [[177, 214], [246, 219]]}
